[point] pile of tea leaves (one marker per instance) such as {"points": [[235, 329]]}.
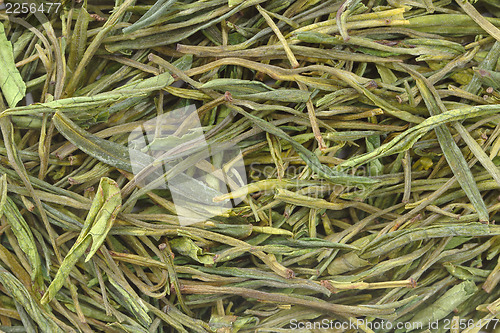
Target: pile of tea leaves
{"points": [[359, 141]]}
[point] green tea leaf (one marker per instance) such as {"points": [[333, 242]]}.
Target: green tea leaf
{"points": [[236, 86], [346, 114], [280, 95], [309, 157], [488, 77], [3, 192], [136, 305], [99, 220], [11, 82], [25, 239], [105, 151], [407, 139], [102, 214], [396, 239], [17, 290], [454, 156], [157, 82], [445, 304], [156, 11], [186, 246]]}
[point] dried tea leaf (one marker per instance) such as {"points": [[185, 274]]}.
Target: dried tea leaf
{"points": [[25, 238], [17, 290], [445, 304], [186, 246], [11, 82], [156, 11], [454, 156], [105, 151], [99, 221], [309, 157]]}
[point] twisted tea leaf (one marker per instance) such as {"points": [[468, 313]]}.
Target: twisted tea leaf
{"points": [[187, 247], [99, 221]]}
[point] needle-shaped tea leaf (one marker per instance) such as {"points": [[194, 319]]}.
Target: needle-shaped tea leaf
{"points": [[407, 139], [3, 192], [25, 239], [452, 153], [156, 11], [105, 151], [21, 295], [309, 157]]}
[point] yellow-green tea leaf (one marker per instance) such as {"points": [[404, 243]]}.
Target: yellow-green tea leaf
{"points": [[99, 221], [187, 247], [21, 295], [3, 192], [11, 82], [25, 238], [445, 304], [105, 151]]}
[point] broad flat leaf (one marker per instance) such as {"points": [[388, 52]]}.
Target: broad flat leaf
{"points": [[11, 82], [102, 214], [99, 221]]}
